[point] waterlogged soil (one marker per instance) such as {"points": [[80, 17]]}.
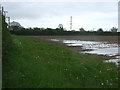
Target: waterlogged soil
{"points": [[109, 39], [78, 48]]}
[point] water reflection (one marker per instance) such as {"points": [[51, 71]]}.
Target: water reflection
{"points": [[104, 51], [116, 60], [92, 47]]}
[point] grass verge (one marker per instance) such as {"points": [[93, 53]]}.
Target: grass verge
{"points": [[36, 64]]}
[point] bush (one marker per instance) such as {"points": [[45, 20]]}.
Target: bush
{"points": [[7, 42]]}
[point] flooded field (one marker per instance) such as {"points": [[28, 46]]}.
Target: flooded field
{"points": [[99, 45]]}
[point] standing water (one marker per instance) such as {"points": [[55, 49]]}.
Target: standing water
{"points": [[92, 47]]}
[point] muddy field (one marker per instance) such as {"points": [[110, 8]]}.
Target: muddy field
{"points": [[109, 39]]}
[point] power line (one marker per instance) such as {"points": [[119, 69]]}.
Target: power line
{"points": [[4, 13]]}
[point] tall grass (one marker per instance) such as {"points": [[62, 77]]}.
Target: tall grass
{"points": [[7, 42], [35, 64]]}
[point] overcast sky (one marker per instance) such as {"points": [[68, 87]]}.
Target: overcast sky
{"points": [[87, 15]]}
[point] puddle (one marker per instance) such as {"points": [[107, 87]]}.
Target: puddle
{"points": [[116, 60], [56, 40], [79, 42], [74, 44], [93, 47], [104, 51]]}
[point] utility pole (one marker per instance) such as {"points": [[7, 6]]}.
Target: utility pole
{"points": [[8, 22], [0, 9], [71, 23], [5, 13]]}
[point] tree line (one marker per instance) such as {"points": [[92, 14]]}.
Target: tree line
{"points": [[59, 31]]}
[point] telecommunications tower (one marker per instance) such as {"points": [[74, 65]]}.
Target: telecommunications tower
{"points": [[71, 23]]}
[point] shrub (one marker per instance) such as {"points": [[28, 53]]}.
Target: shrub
{"points": [[7, 42]]}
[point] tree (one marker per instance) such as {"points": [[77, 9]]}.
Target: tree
{"points": [[14, 28], [82, 30], [60, 26], [100, 30], [113, 29]]}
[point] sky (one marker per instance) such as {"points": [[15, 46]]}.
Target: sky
{"points": [[88, 15]]}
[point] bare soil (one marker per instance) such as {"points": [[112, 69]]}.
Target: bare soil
{"points": [[110, 39]]}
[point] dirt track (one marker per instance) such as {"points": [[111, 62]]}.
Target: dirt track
{"points": [[109, 39]]}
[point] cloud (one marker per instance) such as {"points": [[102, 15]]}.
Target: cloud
{"points": [[60, 0], [49, 14]]}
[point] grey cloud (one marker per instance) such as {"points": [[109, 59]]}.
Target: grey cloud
{"points": [[39, 10], [27, 10], [45, 10]]}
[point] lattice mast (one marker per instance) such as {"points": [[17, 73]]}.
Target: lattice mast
{"points": [[71, 23]]}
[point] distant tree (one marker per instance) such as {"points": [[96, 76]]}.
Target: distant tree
{"points": [[100, 30], [65, 29], [15, 28], [82, 30], [72, 30], [42, 28], [113, 29], [49, 29], [36, 28], [60, 26]]}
